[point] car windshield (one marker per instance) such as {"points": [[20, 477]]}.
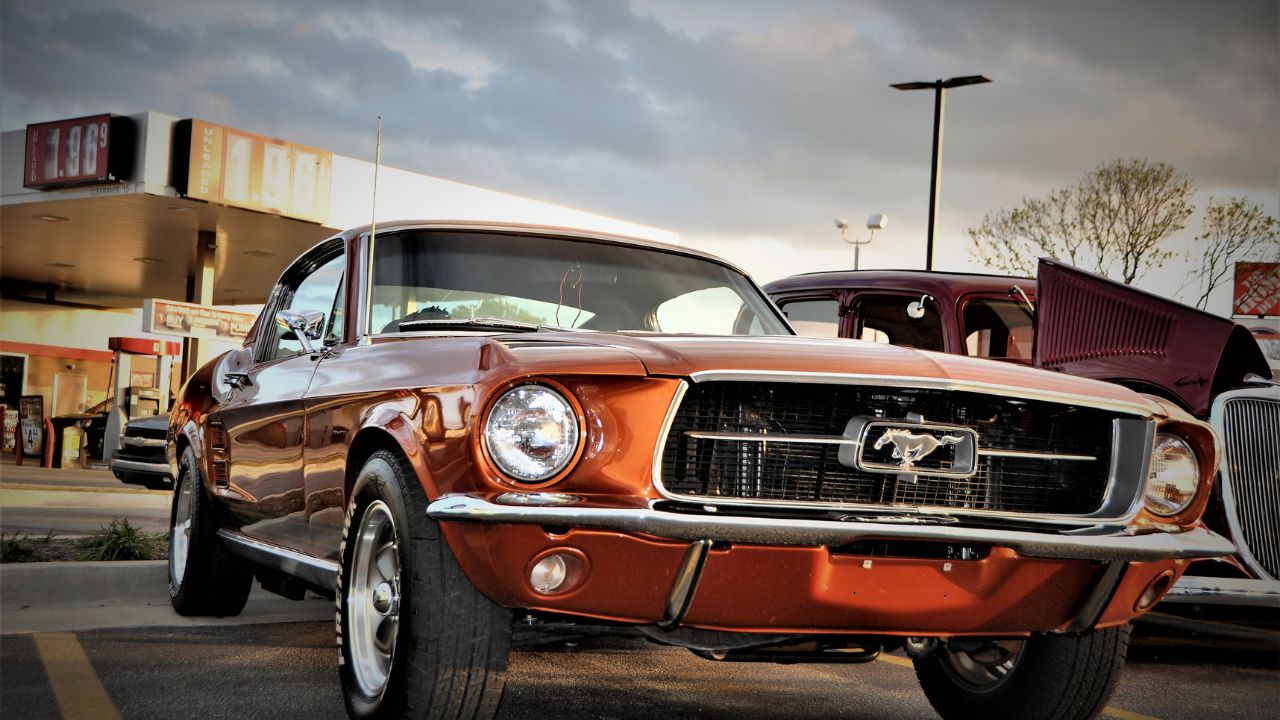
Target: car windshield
{"points": [[433, 280]]}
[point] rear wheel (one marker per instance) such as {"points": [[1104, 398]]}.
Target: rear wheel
{"points": [[1043, 677], [416, 639], [204, 578]]}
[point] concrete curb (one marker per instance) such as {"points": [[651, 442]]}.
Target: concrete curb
{"points": [[52, 584], [68, 596]]}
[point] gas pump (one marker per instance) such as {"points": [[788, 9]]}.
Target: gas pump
{"points": [[131, 401]]}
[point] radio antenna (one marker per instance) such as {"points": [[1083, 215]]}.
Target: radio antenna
{"points": [[373, 228], [377, 162]]}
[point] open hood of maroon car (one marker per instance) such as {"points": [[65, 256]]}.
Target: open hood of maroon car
{"points": [[1094, 327]]}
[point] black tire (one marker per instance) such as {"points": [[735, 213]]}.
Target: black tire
{"points": [[1052, 677], [448, 655], [206, 579]]}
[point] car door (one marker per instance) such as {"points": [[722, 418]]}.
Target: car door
{"points": [[262, 424]]}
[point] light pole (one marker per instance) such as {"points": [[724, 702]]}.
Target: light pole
{"points": [[874, 223], [939, 88]]}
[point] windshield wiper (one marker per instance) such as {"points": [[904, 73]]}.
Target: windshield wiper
{"points": [[480, 323]]}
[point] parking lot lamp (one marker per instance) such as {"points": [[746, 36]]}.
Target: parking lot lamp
{"points": [[939, 88], [875, 222]]}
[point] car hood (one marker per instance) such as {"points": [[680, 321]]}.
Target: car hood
{"points": [[789, 358]]}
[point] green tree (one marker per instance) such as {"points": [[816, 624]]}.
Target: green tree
{"points": [[1112, 221], [1233, 229]]}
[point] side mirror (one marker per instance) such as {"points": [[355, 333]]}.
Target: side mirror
{"points": [[915, 310], [305, 326]]}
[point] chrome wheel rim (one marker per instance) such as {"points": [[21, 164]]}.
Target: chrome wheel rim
{"points": [[373, 599], [985, 668], [180, 533]]}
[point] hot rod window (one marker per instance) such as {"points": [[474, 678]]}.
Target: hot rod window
{"points": [[884, 318], [814, 318], [997, 329], [558, 282]]}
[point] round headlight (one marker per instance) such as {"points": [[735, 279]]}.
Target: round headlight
{"points": [[1174, 477], [532, 433]]}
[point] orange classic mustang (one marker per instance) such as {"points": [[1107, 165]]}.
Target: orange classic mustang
{"points": [[457, 428]]}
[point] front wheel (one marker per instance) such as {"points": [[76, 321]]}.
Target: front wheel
{"points": [[1043, 677], [416, 639]]}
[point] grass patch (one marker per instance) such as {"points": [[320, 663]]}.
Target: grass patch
{"points": [[118, 541], [122, 541], [17, 549]]}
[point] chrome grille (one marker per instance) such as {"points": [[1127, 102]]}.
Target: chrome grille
{"points": [[707, 456], [1250, 430]]}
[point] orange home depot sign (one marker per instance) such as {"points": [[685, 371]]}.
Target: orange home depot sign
{"points": [[170, 317], [1257, 290]]}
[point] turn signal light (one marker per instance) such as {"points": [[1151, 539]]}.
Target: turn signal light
{"points": [[557, 572]]}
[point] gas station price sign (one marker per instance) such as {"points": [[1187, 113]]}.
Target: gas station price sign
{"points": [[254, 172], [93, 149]]}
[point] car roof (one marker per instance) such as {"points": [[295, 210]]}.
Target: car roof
{"points": [[932, 282]]}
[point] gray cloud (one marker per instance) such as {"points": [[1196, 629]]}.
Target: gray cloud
{"points": [[716, 119]]}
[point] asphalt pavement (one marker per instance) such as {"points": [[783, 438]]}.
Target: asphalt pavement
{"points": [[99, 640], [289, 670]]}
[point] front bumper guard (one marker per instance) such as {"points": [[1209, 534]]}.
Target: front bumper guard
{"points": [[1115, 545]]}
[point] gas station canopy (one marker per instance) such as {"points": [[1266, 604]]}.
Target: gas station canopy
{"points": [[191, 201]]}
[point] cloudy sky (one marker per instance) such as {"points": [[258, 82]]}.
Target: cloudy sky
{"points": [[744, 126]]}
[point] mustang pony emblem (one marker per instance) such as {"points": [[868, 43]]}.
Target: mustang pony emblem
{"points": [[910, 448]]}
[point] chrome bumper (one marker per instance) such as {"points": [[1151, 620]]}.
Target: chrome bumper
{"points": [[1198, 590], [1198, 543], [136, 466]]}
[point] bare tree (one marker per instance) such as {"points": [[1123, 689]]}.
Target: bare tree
{"points": [[1118, 214], [1232, 229]]}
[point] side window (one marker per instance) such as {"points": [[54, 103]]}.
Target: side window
{"points": [[814, 318], [320, 291], [997, 329], [884, 318]]}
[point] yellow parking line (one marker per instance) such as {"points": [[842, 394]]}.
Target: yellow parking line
{"points": [[1107, 711], [895, 660], [1119, 714], [75, 685]]}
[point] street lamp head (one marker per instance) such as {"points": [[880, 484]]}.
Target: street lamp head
{"points": [[944, 84], [966, 80], [879, 221], [842, 224]]}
